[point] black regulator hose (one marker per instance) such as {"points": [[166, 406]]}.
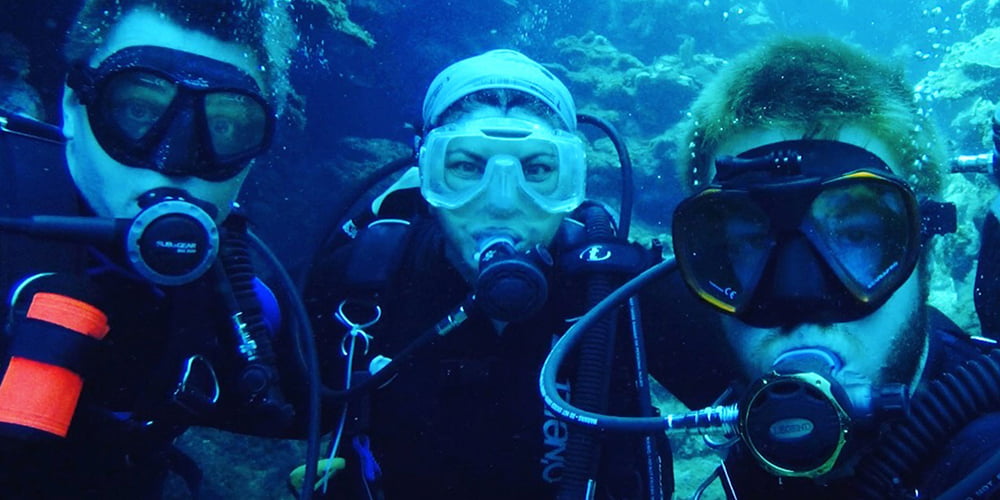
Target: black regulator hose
{"points": [[306, 344], [258, 380], [547, 378], [593, 376], [650, 442], [722, 417], [936, 414], [625, 217], [624, 226]]}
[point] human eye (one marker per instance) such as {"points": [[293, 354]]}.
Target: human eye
{"points": [[136, 115], [137, 101], [465, 168], [222, 127], [538, 171], [139, 110], [858, 229]]}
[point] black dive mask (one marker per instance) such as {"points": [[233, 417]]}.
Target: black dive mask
{"points": [[796, 232], [801, 418], [511, 285], [174, 112]]}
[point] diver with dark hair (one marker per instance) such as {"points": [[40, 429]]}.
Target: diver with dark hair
{"points": [[487, 249], [132, 307], [808, 230]]}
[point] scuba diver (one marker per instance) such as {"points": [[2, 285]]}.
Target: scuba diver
{"points": [[808, 229], [488, 248], [134, 311]]}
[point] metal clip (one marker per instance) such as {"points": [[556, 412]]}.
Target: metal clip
{"points": [[355, 330], [198, 388]]}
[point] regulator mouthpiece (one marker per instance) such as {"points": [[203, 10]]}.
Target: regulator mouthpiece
{"points": [[174, 239], [511, 285], [797, 420]]}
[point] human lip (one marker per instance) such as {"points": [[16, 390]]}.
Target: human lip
{"points": [[784, 348], [492, 233]]}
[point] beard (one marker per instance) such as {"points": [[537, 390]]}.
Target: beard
{"points": [[907, 358]]}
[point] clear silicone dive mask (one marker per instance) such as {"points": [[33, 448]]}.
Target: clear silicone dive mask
{"points": [[463, 161]]}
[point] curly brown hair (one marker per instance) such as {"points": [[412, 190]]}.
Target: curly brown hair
{"points": [[817, 84]]}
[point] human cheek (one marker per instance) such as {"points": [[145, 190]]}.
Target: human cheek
{"points": [[457, 233], [868, 345], [220, 194], [539, 227], [748, 344]]}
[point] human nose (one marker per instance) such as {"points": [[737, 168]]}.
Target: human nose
{"points": [[501, 193]]}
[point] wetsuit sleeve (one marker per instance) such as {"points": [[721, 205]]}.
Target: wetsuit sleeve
{"points": [[987, 287]]}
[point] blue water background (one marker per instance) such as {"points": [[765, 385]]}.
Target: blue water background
{"points": [[353, 91]]}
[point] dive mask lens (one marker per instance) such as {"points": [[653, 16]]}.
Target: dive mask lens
{"points": [[463, 161], [808, 236], [175, 112], [135, 101], [237, 123], [722, 241], [867, 228]]}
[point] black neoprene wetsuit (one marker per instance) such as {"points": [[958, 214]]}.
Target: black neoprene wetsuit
{"points": [[119, 443], [464, 418]]}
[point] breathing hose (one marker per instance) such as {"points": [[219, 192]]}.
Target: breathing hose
{"points": [[625, 215], [583, 447], [654, 473], [722, 417], [306, 344], [258, 380], [973, 485], [936, 414]]}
